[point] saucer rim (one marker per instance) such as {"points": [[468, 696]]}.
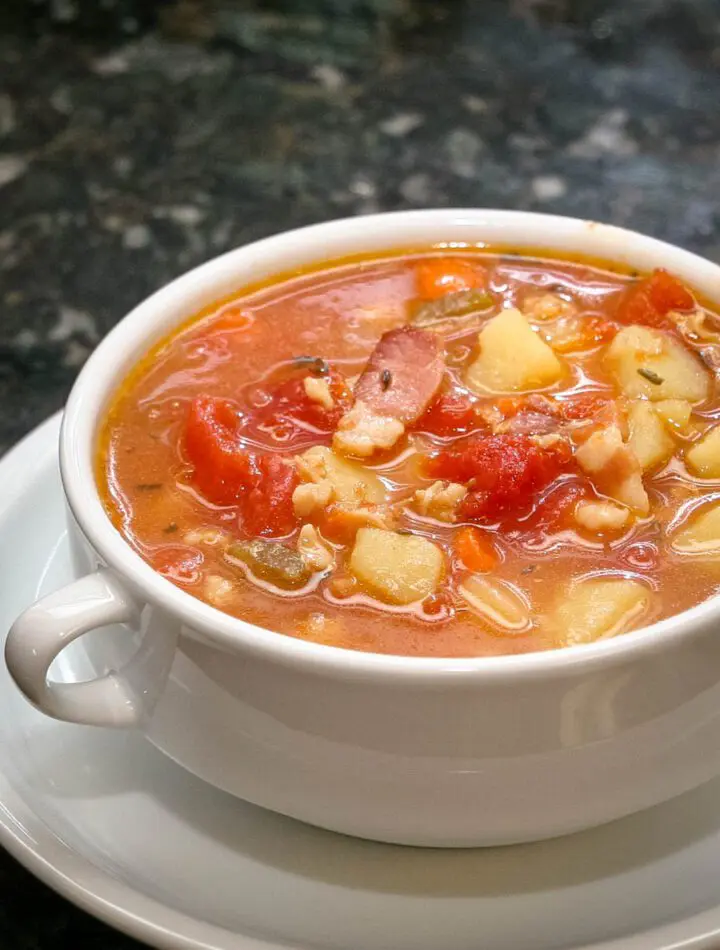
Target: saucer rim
{"points": [[77, 879]]}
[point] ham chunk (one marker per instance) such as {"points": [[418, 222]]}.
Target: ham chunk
{"points": [[614, 468], [403, 374], [402, 377]]}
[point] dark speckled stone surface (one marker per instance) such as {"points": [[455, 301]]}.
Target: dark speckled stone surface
{"points": [[138, 139]]}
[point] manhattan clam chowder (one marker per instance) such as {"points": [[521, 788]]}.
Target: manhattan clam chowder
{"points": [[434, 453]]}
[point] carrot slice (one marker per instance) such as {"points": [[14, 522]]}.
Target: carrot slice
{"points": [[447, 275], [476, 551]]}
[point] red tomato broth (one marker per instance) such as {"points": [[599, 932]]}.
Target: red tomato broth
{"points": [[235, 353]]}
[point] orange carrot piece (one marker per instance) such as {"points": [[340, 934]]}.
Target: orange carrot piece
{"points": [[476, 550]]}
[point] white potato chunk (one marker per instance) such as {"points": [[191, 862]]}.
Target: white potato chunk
{"points": [[601, 516], [351, 482], [396, 568], [512, 358], [649, 438], [361, 432], [497, 602], [598, 608], [614, 469], [675, 413], [703, 458], [652, 365], [701, 535]]}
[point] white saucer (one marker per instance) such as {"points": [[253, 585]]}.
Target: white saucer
{"points": [[132, 838]]}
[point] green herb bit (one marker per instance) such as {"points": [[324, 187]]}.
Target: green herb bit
{"points": [[171, 528], [651, 376], [451, 306], [149, 486], [315, 365]]}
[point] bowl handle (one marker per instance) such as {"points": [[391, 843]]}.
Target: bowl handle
{"points": [[43, 630]]}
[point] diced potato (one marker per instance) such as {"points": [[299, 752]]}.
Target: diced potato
{"points": [[650, 364], [396, 568], [703, 458], [649, 438], [352, 482], [675, 413], [512, 358], [496, 601], [595, 609], [701, 535]]}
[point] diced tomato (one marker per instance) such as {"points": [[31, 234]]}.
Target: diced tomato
{"points": [[452, 413], [227, 473], [290, 403], [475, 549], [446, 275], [266, 509], [503, 472], [555, 512], [650, 300], [213, 445]]}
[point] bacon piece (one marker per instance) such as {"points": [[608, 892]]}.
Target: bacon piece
{"points": [[403, 374]]}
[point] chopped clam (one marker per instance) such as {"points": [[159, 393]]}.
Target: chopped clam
{"points": [[601, 516], [318, 390], [440, 500]]}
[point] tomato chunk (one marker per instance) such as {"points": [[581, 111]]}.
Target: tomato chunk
{"points": [[448, 275], [266, 509], [452, 413], [503, 472], [556, 510], [290, 404], [213, 445], [650, 300], [227, 473]]}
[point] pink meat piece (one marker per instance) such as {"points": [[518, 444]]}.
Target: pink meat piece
{"points": [[403, 374]]}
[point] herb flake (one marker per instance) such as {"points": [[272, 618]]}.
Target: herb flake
{"points": [[149, 486], [385, 380], [651, 376], [315, 365]]}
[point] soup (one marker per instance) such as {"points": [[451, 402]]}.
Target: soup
{"points": [[431, 454]]}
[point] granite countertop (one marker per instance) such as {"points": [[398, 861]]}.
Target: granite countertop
{"points": [[139, 138]]}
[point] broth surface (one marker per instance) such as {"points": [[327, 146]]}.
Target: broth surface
{"points": [[245, 348]]}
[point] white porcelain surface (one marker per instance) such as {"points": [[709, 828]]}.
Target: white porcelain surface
{"points": [[141, 843], [421, 751]]}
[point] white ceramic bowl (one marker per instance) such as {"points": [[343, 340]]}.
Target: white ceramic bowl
{"points": [[404, 749]]}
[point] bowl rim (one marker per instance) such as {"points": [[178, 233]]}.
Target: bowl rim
{"points": [[132, 336]]}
